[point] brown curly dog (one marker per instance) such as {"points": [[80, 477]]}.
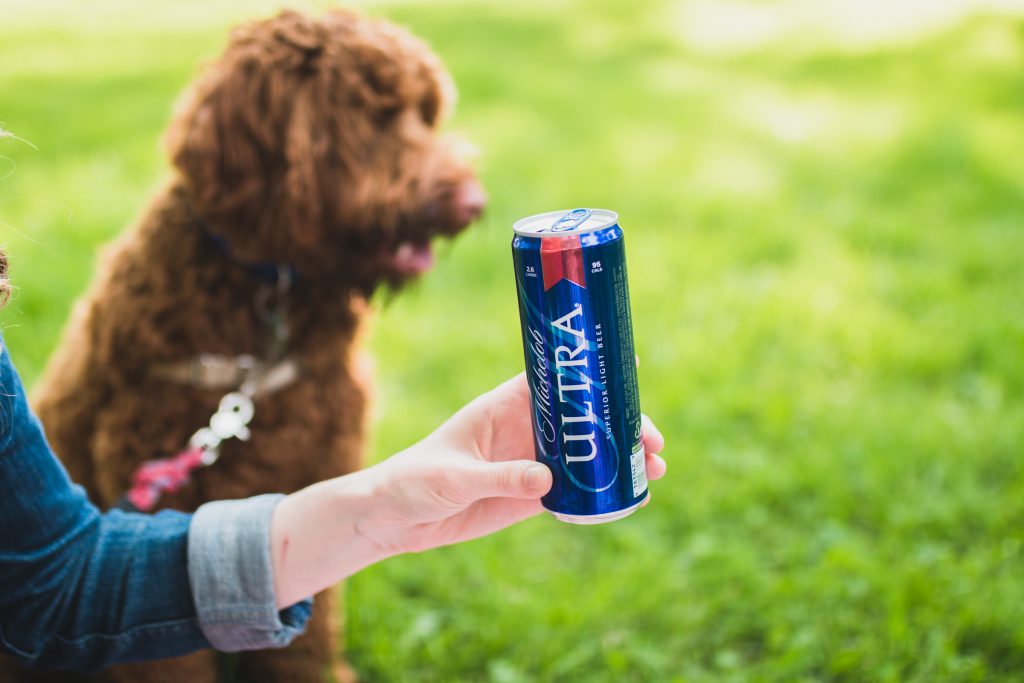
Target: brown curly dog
{"points": [[309, 171]]}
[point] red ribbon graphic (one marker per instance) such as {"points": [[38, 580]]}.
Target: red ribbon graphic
{"points": [[561, 258]]}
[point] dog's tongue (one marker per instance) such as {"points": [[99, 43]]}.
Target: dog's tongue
{"points": [[413, 259]]}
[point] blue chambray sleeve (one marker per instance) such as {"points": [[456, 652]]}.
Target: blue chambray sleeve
{"points": [[81, 590], [230, 569]]}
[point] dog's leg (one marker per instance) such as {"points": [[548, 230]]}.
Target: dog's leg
{"points": [[314, 657], [12, 672], [198, 667]]}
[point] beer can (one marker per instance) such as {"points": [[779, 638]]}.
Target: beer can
{"points": [[580, 362]]}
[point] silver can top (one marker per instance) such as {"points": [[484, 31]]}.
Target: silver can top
{"points": [[561, 223]]}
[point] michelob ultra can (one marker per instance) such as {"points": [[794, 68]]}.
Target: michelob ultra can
{"points": [[580, 362]]}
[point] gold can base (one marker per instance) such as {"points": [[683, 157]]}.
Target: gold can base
{"points": [[602, 518]]}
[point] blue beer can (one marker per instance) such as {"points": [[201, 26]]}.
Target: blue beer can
{"points": [[580, 362]]}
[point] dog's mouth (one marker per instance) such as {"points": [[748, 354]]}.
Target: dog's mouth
{"points": [[407, 260], [411, 259], [412, 253]]}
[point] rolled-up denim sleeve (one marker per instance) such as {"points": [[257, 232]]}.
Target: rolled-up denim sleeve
{"points": [[81, 590], [232, 578]]}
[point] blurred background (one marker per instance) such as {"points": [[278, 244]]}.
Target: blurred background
{"points": [[823, 202]]}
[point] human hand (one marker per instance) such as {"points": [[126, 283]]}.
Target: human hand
{"points": [[474, 475]]}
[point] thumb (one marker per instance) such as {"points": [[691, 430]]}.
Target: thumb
{"points": [[511, 479]]}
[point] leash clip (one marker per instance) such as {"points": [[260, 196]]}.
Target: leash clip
{"points": [[229, 422]]}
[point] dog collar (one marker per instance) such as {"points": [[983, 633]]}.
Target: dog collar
{"points": [[213, 372], [267, 271], [270, 272]]}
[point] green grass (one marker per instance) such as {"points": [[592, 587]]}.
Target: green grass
{"points": [[827, 271]]}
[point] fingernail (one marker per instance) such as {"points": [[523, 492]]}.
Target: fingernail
{"points": [[536, 477]]}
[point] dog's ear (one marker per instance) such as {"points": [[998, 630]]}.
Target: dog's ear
{"points": [[219, 145], [246, 138]]}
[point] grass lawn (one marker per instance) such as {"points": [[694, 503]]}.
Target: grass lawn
{"points": [[824, 220]]}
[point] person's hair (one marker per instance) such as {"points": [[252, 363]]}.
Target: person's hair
{"points": [[5, 284]]}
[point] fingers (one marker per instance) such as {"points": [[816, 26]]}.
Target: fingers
{"points": [[523, 479], [516, 386], [656, 466], [477, 423], [514, 389], [508, 436], [654, 442]]}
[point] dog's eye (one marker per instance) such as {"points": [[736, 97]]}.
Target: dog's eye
{"points": [[386, 116], [429, 107]]}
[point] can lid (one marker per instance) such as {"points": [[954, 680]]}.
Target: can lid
{"points": [[560, 223]]}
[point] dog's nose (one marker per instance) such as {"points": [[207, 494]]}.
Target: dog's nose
{"points": [[470, 200]]}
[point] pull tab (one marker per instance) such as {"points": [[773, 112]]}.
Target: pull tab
{"points": [[571, 220]]}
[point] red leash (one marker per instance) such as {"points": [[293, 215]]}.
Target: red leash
{"points": [[156, 477]]}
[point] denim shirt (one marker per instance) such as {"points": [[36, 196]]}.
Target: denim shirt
{"points": [[82, 590]]}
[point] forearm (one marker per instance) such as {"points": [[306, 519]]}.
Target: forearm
{"points": [[315, 538], [99, 590], [80, 590], [127, 598]]}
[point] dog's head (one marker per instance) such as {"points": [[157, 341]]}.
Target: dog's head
{"points": [[316, 142]]}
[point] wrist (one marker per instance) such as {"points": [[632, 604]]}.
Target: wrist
{"points": [[363, 497], [379, 522], [316, 539]]}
